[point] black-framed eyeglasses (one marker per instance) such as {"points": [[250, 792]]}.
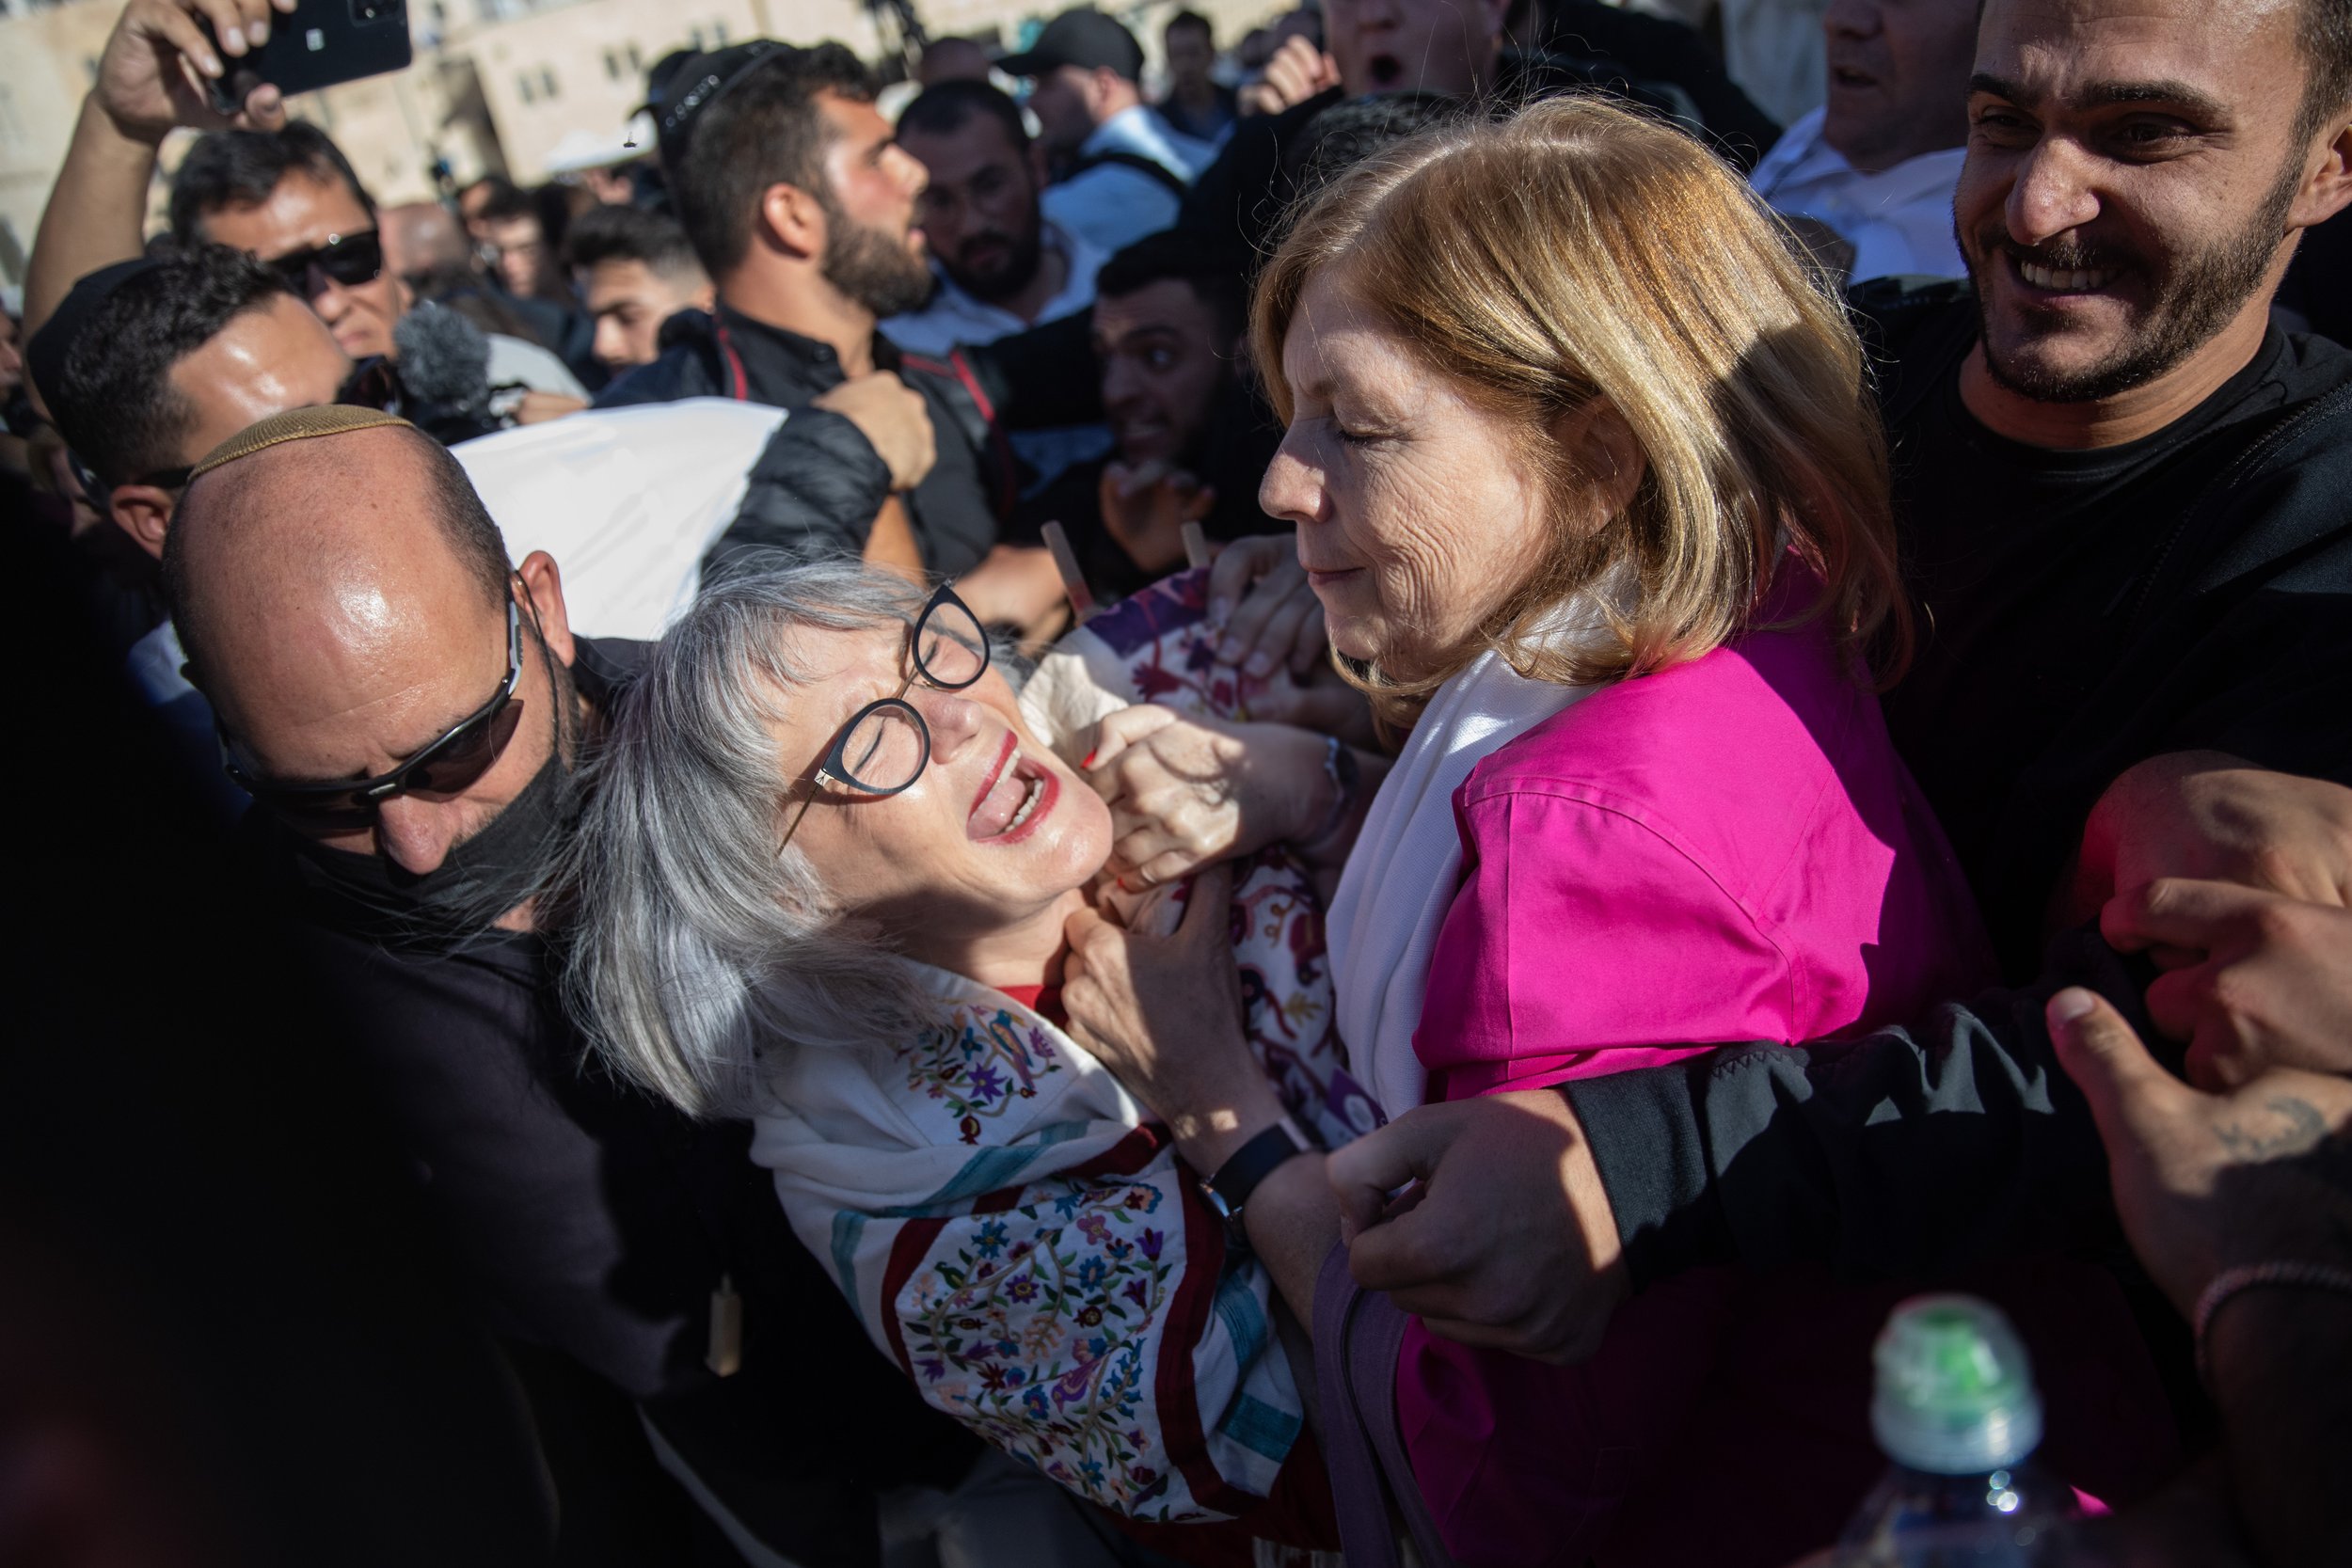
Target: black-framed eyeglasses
{"points": [[885, 745], [451, 764], [346, 260], [371, 384]]}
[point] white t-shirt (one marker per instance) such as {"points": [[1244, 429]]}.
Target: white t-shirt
{"points": [[955, 317], [1898, 220], [1109, 206]]}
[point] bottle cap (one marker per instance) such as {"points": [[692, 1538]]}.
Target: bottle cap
{"points": [[1955, 1392]]}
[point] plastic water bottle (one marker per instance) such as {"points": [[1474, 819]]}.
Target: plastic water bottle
{"points": [[1956, 1413]]}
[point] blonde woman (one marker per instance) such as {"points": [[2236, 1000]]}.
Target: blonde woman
{"points": [[1587, 477]]}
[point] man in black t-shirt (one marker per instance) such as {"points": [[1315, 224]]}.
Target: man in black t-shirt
{"points": [[2127, 504], [2123, 495]]}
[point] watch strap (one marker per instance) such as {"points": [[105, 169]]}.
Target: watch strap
{"points": [[1250, 1164]]}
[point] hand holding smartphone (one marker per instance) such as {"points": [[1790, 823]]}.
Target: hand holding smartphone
{"points": [[321, 43]]}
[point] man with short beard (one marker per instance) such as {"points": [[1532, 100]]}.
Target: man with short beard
{"points": [[2127, 503], [802, 207], [278, 188], [1003, 266], [2124, 493]]}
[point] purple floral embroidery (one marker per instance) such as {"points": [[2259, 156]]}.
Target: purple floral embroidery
{"points": [[1055, 1359], [981, 1062]]}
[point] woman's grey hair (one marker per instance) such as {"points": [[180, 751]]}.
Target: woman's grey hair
{"points": [[695, 946]]}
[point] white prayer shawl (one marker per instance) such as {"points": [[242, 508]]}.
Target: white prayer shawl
{"points": [[626, 499], [1405, 868], [1021, 1240]]}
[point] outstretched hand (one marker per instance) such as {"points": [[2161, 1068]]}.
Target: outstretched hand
{"points": [[2253, 980], [144, 82], [1512, 1244], [1260, 601], [2205, 1181], [2207, 817], [1145, 509], [1293, 73]]}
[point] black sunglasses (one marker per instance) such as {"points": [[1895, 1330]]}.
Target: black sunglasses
{"points": [[449, 763], [348, 259], [885, 745], [371, 385]]}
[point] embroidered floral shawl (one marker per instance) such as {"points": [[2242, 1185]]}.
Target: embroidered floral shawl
{"points": [[1012, 1228]]}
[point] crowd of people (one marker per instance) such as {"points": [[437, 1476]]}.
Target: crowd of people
{"points": [[1334, 819]]}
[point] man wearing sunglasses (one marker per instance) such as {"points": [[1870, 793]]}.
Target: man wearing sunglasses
{"points": [[410, 711], [278, 189]]}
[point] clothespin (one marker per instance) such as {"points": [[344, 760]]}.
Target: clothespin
{"points": [[1073, 581], [724, 1353], [1196, 542]]}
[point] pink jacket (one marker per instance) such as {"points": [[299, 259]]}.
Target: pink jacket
{"points": [[1726, 851]]}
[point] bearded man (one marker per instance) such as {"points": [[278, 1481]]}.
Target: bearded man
{"points": [[1003, 266], [2120, 487], [802, 207], [2126, 499]]}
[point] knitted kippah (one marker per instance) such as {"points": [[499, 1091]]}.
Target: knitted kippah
{"points": [[295, 424]]}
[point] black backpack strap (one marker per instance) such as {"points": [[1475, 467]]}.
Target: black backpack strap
{"points": [[1137, 161]]}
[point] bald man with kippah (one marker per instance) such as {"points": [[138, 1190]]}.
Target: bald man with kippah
{"points": [[410, 712]]}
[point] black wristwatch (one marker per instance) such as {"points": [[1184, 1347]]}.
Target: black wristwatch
{"points": [[1249, 1165]]}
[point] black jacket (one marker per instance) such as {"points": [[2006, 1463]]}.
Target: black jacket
{"points": [[813, 493], [956, 510], [1914, 1148], [595, 1222]]}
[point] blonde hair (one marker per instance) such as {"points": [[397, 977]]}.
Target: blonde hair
{"points": [[1577, 251]]}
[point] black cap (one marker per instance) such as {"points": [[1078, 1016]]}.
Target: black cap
{"points": [[692, 86], [45, 355], [1083, 38]]}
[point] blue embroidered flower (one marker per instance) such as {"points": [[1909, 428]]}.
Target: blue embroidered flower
{"points": [[992, 1239], [1092, 1272]]}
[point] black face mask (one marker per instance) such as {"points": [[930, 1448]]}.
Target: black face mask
{"points": [[477, 881]]}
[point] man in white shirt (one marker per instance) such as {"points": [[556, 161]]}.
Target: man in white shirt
{"points": [[1876, 163], [1002, 266], [1123, 176]]}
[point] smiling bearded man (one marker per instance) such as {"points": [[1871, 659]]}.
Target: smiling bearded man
{"points": [[2122, 489]]}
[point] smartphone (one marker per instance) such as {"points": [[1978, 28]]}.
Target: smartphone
{"points": [[323, 42]]}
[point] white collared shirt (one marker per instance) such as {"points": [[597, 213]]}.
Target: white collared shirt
{"points": [[954, 316], [1898, 220], [1112, 207]]}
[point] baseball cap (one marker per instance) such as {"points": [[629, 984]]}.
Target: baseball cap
{"points": [[1083, 38]]}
